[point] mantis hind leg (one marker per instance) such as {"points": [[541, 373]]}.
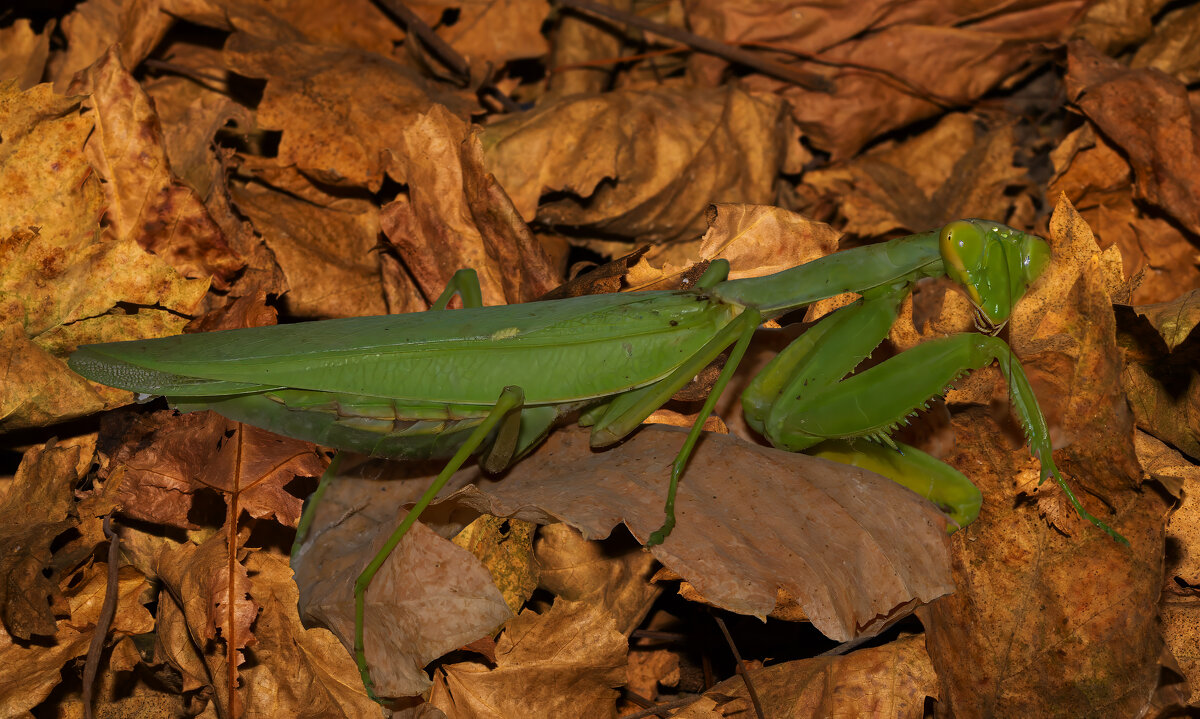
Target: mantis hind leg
{"points": [[510, 402]]}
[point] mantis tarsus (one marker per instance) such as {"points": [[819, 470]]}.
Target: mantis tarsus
{"points": [[495, 380]]}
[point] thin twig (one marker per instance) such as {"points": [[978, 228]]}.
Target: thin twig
{"points": [[107, 610], [758, 710], [448, 56], [707, 45]]}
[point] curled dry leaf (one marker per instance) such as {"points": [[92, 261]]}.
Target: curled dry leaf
{"points": [[456, 215], [326, 254], [35, 510], [1174, 320], [890, 680], [58, 279], [297, 672], [855, 548], [165, 460], [1065, 616], [429, 598], [1161, 145], [949, 172], [757, 240], [145, 201], [28, 672], [1096, 177], [338, 108], [891, 65], [640, 164], [567, 661], [616, 577]]}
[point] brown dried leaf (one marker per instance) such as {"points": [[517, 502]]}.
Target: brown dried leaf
{"points": [[94, 26], [1161, 145], [951, 171], [165, 459], [1174, 320], [35, 511], [429, 598], [145, 201], [455, 215], [892, 680], [1174, 47], [1181, 630], [757, 240], [339, 109], [473, 34], [326, 253], [28, 672], [614, 574], [1165, 464], [746, 525], [298, 672], [25, 51], [1183, 531], [640, 164], [200, 601], [565, 662], [1040, 619], [891, 65]]}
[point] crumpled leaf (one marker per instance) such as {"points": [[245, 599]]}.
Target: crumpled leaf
{"points": [[890, 680], [325, 253], [757, 240], [1097, 179], [298, 672], [1162, 383], [455, 215], [1174, 320], [567, 661], [1161, 145], [134, 27], [950, 172], [891, 65], [28, 672], [1173, 46], [58, 277], [616, 575], [640, 164], [35, 510], [145, 201], [199, 601], [855, 549], [430, 597], [166, 459], [338, 108], [1061, 615], [473, 32]]}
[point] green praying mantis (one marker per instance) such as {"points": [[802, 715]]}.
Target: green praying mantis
{"points": [[495, 380]]}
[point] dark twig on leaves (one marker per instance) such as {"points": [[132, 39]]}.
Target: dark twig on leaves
{"points": [[107, 610], [707, 45]]}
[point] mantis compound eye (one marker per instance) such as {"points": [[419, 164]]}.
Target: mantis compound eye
{"points": [[963, 247]]}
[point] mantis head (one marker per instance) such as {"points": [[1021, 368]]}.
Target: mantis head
{"points": [[994, 263]]}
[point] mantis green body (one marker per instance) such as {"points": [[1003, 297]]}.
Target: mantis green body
{"points": [[495, 380]]}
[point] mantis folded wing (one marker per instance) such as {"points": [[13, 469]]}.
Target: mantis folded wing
{"points": [[495, 380]]}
